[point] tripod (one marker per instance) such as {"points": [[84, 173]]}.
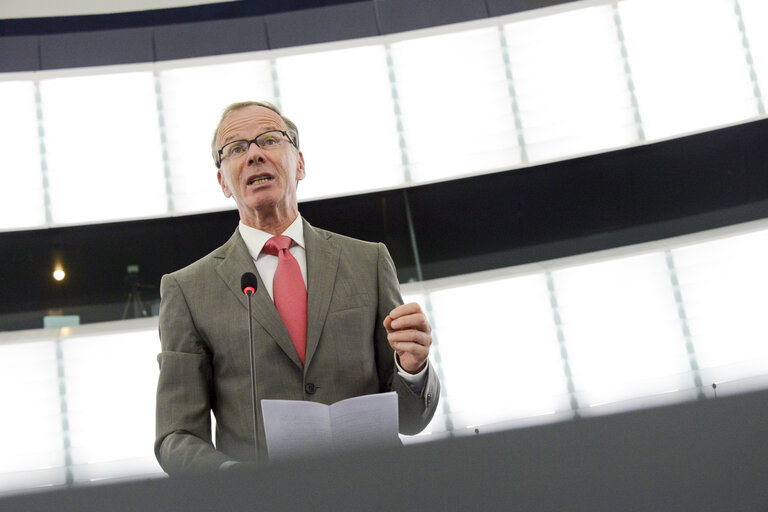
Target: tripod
{"points": [[134, 302]]}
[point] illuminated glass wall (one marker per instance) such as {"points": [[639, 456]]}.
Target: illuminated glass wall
{"points": [[651, 325], [81, 403]]}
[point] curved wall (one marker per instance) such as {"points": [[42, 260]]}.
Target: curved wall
{"points": [[232, 27]]}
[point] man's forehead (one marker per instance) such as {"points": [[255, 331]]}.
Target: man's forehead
{"points": [[250, 118]]}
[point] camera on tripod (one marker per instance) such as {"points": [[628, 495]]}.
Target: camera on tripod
{"points": [[134, 303]]}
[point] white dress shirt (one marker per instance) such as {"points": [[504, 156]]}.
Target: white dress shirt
{"points": [[266, 264]]}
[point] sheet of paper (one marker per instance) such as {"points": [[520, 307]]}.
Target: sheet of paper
{"points": [[295, 427], [368, 421]]}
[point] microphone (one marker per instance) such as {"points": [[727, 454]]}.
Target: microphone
{"points": [[249, 284]]}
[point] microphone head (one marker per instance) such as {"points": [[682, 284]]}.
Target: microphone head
{"points": [[249, 283]]}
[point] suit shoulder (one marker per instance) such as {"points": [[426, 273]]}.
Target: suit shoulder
{"points": [[345, 240]]}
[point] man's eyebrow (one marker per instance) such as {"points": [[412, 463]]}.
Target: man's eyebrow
{"points": [[230, 139], [237, 136]]}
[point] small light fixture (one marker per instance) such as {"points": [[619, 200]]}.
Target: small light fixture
{"points": [[59, 274]]}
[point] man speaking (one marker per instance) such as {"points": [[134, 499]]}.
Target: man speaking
{"points": [[328, 318]]}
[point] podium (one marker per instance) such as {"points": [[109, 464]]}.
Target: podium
{"points": [[707, 455]]}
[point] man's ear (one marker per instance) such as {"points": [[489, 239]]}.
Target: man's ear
{"points": [[223, 183], [300, 172]]}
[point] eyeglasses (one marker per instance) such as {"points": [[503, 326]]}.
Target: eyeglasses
{"points": [[273, 139]]}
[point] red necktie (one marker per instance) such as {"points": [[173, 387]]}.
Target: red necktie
{"points": [[289, 292]]}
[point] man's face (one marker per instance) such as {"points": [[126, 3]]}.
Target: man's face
{"points": [[260, 181]]}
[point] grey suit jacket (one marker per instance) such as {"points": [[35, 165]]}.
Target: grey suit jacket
{"points": [[204, 363]]}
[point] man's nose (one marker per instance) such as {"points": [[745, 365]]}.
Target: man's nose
{"points": [[255, 153]]}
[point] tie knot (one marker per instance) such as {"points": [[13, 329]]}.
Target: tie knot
{"points": [[276, 244]]}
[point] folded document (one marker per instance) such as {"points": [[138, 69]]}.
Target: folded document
{"points": [[294, 427]]}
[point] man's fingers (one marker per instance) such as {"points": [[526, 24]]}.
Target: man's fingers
{"points": [[416, 321], [412, 347], [408, 336], [404, 310], [416, 351], [408, 333]]}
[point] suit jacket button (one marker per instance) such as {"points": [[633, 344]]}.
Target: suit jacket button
{"points": [[310, 388]]}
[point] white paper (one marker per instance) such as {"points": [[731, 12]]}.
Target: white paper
{"points": [[296, 427]]}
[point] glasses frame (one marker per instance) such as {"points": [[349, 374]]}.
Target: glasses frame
{"points": [[253, 141]]}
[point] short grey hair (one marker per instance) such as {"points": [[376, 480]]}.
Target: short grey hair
{"points": [[292, 130]]}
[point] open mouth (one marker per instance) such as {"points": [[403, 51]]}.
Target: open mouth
{"points": [[258, 180]]}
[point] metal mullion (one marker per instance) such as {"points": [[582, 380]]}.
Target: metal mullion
{"points": [[555, 306], [43, 157], [748, 55], [276, 84], [513, 96], [683, 317], [628, 72], [398, 118], [163, 141], [64, 411]]}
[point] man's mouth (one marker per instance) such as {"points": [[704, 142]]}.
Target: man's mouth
{"points": [[258, 180]]}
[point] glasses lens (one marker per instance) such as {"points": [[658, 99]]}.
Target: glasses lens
{"points": [[270, 140], [235, 148]]}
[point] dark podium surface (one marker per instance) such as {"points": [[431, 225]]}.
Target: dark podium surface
{"points": [[706, 455]]}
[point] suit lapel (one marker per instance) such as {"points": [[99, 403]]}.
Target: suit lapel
{"points": [[234, 260], [322, 264]]}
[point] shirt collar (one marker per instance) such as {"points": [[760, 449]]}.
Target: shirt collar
{"points": [[255, 238]]}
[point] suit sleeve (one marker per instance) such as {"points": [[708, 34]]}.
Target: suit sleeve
{"points": [[415, 409], [184, 389]]}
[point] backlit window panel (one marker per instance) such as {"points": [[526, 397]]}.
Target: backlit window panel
{"points": [[455, 105], [103, 147], [32, 443], [499, 353], [688, 64], [723, 285], [22, 197], [342, 104], [622, 332], [571, 83], [111, 405]]}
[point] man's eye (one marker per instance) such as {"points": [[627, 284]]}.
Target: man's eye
{"points": [[236, 149], [270, 140]]}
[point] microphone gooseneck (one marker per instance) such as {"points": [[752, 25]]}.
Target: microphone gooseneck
{"points": [[249, 284]]}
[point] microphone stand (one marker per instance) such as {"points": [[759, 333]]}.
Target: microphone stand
{"points": [[253, 377], [248, 283]]}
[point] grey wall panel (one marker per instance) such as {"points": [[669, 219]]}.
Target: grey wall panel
{"points": [[402, 15], [333, 23], [217, 37], [502, 7], [537, 4], [708, 455], [19, 53], [122, 46]]}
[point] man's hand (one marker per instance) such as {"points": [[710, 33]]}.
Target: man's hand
{"points": [[408, 332]]}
